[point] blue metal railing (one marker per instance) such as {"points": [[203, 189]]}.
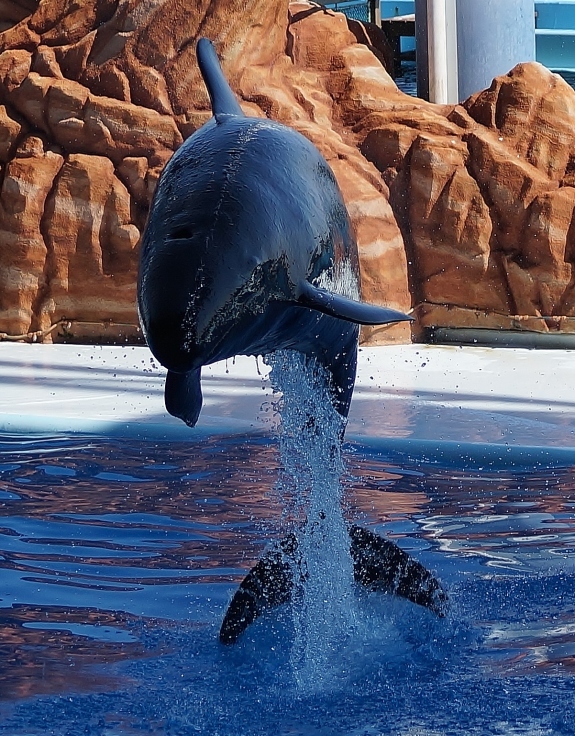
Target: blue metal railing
{"points": [[356, 9]]}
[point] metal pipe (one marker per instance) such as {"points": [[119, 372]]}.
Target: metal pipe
{"points": [[437, 50], [436, 39], [500, 338]]}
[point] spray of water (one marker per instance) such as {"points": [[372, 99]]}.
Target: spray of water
{"points": [[310, 488]]}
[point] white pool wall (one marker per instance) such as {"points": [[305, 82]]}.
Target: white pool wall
{"points": [[406, 393]]}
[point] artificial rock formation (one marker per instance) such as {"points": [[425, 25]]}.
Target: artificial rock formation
{"points": [[464, 212]]}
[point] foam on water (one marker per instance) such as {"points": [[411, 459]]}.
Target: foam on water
{"points": [[310, 490]]}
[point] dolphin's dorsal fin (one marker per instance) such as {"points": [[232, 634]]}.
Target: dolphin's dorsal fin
{"points": [[223, 100], [348, 309]]}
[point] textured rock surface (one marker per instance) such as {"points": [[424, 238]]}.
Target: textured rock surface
{"points": [[466, 212], [516, 212], [95, 97], [484, 196]]}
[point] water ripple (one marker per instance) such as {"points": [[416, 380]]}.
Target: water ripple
{"points": [[118, 559]]}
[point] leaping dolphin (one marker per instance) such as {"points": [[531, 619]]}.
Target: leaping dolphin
{"points": [[248, 249]]}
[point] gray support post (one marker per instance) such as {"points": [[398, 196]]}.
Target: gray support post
{"points": [[492, 37]]}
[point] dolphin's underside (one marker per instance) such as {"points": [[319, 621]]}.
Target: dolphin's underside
{"points": [[378, 565]]}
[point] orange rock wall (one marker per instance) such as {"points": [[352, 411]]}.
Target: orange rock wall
{"points": [[464, 212]]}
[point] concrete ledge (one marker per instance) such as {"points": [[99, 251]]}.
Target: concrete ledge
{"points": [[417, 398]]}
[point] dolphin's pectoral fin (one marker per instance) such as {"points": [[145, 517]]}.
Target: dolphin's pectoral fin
{"points": [[340, 306], [183, 396], [378, 565]]}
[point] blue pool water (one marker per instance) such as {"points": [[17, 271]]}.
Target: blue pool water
{"points": [[118, 558]]}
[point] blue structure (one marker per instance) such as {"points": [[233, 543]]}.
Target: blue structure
{"points": [[492, 37], [555, 34], [554, 27], [395, 8]]}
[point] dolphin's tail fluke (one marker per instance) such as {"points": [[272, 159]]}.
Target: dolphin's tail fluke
{"points": [[223, 100], [378, 565]]}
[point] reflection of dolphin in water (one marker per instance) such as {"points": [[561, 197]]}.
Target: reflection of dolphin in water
{"points": [[248, 249], [378, 565]]}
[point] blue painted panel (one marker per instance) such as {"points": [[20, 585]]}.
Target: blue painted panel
{"points": [[407, 44], [556, 51], [555, 14]]}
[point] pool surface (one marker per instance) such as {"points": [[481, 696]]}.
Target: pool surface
{"points": [[123, 538]]}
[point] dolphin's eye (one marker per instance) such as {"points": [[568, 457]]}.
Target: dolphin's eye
{"points": [[181, 233]]}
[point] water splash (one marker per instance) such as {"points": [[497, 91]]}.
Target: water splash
{"points": [[309, 486]]}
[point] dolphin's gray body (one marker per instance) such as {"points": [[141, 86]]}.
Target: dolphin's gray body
{"points": [[248, 249]]}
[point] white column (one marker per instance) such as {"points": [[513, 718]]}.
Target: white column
{"points": [[436, 35], [437, 50]]}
